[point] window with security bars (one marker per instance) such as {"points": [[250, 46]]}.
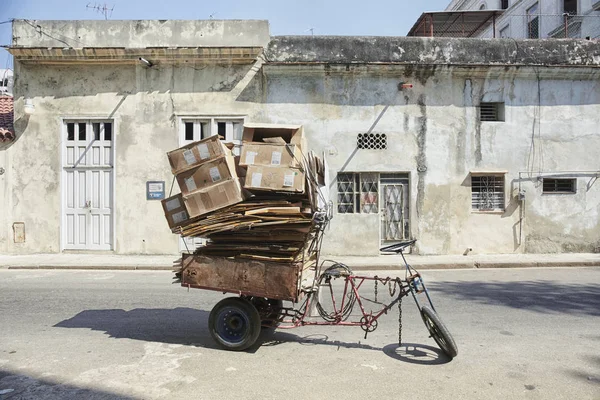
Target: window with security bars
{"points": [[533, 22], [491, 111], [487, 192], [561, 185], [375, 141], [358, 193]]}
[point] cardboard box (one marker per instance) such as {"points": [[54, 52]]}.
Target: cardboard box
{"points": [[291, 134], [276, 155], [175, 211], [278, 179], [206, 175], [214, 197], [196, 153]]}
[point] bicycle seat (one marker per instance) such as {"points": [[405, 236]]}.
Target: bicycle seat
{"points": [[398, 247]]}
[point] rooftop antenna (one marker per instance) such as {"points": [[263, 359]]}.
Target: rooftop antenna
{"points": [[212, 16], [311, 30], [102, 9]]}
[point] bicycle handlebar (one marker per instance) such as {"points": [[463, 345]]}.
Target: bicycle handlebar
{"points": [[398, 247]]}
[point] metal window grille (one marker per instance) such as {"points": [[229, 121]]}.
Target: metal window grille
{"points": [[375, 141], [487, 192], [533, 22], [346, 185], [491, 111], [369, 188], [562, 185], [358, 193]]}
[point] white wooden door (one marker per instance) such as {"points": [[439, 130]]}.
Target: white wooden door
{"points": [[88, 185]]}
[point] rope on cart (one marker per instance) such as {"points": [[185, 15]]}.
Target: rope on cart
{"points": [[351, 297]]}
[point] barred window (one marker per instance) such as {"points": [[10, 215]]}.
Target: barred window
{"points": [[487, 192], [491, 111], [553, 185], [533, 22], [358, 193]]}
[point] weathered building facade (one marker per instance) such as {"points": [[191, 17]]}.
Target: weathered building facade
{"points": [[488, 145]]}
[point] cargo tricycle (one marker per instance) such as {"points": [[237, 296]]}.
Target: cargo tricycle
{"points": [[235, 323]]}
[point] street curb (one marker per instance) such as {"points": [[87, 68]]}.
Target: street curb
{"points": [[371, 267], [93, 267]]}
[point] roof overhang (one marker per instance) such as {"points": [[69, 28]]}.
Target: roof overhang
{"points": [[454, 23], [120, 55]]}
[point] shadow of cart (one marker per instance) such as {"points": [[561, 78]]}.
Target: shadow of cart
{"points": [[188, 326]]}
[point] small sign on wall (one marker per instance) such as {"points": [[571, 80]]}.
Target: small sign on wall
{"points": [[155, 190], [19, 232]]}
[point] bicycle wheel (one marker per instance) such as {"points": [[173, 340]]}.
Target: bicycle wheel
{"points": [[439, 332]]}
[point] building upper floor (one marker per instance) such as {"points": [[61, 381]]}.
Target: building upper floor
{"points": [[521, 19]]}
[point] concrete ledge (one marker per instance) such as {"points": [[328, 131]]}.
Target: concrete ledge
{"points": [[371, 263], [95, 267]]}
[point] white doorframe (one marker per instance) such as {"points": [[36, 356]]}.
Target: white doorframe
{"points": [[88, 119]]}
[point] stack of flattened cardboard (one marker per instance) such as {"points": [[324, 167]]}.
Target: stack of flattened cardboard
{"points": [[270, 220]]}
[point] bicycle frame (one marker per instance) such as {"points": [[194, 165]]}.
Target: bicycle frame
{"points": [[352, 283]]}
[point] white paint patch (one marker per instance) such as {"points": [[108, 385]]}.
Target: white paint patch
{"points": [[103, 277], [231, 369], [373, 367], [146, 378]]}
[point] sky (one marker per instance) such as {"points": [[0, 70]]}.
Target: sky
{"points": [[286, 17]]}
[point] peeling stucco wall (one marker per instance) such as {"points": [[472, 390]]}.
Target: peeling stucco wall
{"points": [[432, 51], [140, 33], [337, 88]]}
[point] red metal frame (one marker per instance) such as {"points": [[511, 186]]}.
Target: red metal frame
{"points": [[350, 283]]}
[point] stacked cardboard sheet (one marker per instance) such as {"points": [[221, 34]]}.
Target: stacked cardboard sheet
{"points": [[258, 206]]}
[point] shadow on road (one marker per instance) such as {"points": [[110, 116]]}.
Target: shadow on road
{"points": [[412, 353], [18, 386], [181, 325], [591, 375], [540, 296], [188, 326]]}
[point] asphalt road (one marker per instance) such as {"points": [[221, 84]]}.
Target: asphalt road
{"points": [[521, 333]]}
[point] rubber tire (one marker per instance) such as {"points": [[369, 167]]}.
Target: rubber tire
{"points": [[274, 304], [236, 311], [439, 332]]}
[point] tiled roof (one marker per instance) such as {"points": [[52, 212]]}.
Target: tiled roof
{"points": [[7, 129]]}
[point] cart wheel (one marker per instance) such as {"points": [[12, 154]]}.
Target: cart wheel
{"points": [[234, 323], [439, 332], [269, 310]]}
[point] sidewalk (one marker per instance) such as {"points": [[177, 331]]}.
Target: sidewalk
{"points": [[386, 262]]}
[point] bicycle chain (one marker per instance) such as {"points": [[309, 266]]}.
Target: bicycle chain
{"points": [[392, 292], [400, 321]]}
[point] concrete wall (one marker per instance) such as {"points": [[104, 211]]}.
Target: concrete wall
{"points": [[141, 33], [552, 114], [143, 104], [436, 125]]}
